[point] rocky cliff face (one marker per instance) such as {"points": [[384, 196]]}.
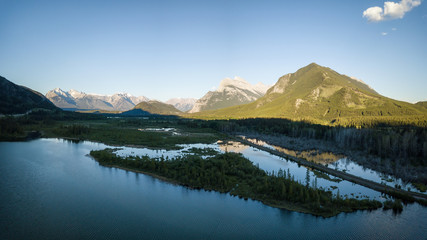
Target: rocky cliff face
{"points": [[231, 92]]}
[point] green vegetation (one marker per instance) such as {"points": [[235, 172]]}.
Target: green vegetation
{"points": [[396, 205], [398, 147], [125, 131], [422, 104], [420, 186], [406, 198], [120, 132], [325, 176], [113, 131], [156, 107], [11, 130], [202, 151], [232, 173], [320, 95]]}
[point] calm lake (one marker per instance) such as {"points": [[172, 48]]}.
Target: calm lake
{"points": [[51, 189]]}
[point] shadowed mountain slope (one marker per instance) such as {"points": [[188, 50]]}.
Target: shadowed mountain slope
{"points": [[15, 99]]}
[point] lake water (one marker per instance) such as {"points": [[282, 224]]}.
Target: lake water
{"points": [[51, 189]]}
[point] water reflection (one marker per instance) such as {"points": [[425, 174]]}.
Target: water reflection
{"points": [[232, 146], [52, 190], [341, 163], [265, 161], [310, 155]]}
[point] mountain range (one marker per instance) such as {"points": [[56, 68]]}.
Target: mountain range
{"points": [[231, 92], [318, 93], [314, 93], [182, 104], [15, 99], [75, 100], [79, 101]]}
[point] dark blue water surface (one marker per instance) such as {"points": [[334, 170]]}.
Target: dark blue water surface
{"points": [[51, 189]]}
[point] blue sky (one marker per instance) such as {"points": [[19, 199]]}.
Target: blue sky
{"points": [[164, 49]]}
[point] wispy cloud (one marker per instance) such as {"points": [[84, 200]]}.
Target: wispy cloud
{"points": [[384, 33], [391, 10]]}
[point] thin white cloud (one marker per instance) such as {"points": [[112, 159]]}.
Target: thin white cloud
{"points": [[394, 29], [391, 10], [384, 33]]}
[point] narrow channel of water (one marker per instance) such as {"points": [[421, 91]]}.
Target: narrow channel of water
{"points": [[342, 163]]}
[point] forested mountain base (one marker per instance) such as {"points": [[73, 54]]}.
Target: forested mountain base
{"points": [[398, 150]]}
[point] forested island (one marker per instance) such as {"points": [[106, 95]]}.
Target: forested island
{"points": [[232, 173]]}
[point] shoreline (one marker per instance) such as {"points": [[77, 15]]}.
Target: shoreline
{"points": [[268, 202], [419, 197], [413, 196]]}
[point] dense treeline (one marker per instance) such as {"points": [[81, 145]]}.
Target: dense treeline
{"points": [[9, 127], [383, 121], [398, 142], [74, 129], [22, 127], [231, 172]]}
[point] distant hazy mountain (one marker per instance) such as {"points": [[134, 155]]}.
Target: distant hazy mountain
{"points": [[15, 99], [316, 92], [157, 107], [75, 100], [182, 104], [231, 92]]}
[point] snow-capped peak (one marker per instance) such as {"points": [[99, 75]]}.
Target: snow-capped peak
{"points": [[238, 82], [76, 94], [59, 92], [231, 92], [74, 99]]}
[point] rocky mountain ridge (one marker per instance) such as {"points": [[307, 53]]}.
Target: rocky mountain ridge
{"points": [[76, 100]]}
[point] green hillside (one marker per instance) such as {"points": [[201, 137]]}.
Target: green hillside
{"points": [[422, 104], [321, 95], [156, 107], [15, 99]]}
